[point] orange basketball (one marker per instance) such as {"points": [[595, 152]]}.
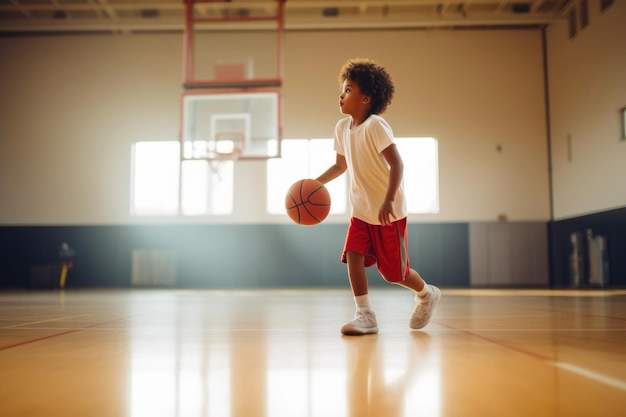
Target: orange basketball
{"points": [[307, 202]]}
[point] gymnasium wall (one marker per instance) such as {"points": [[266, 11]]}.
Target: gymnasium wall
{"points": [[587, 79], [587, 89], [71, 106]]}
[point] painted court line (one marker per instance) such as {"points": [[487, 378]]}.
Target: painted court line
{"points": [[44, 321], [613, 382], [39, 339], [497, 342]]}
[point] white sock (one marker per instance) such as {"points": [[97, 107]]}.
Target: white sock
{"points": [[424, 291], [362, 302]]}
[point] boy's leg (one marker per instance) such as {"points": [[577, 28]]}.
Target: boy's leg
{"points": [[414, 282], [390, 244], [364, 321], [426, 298], [356, 273]]}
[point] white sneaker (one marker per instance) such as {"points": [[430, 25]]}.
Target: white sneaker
{"points": [[364, 322], [424, 308]]}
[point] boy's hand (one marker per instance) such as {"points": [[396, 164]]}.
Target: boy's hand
{"points": [[385, 214]]}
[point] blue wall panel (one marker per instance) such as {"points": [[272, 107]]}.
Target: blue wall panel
{"points": [[223, 256], [611, 224]]}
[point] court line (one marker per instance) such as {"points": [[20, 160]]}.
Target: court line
{"points": [[538, 329], [39, 339], [613, 382], [608, 317], [44, 321], [595, 293], [497, 342]]}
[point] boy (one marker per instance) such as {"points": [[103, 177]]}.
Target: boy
{"points": [[377, 233]]}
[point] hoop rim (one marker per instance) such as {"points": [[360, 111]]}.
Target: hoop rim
{"points": [[226, 156]]}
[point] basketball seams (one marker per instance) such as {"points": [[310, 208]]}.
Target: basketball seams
{"points": [[305, 202], [294, 201], [312, 193]]}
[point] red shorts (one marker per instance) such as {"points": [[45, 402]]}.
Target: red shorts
{"points": [[386, 246]]}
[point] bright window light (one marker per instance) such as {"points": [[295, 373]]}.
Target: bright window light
{"points": [[302, 158], [207, 186], [421, 173], [155, 168]]}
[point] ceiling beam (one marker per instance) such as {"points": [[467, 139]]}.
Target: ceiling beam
{"points": [[305, 14]]}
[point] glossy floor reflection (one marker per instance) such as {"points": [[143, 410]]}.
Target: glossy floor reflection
{"points": [[280, 353]]}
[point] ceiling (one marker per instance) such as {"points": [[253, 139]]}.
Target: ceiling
{"points": [[127, 16]]}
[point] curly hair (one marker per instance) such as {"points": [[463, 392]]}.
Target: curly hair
{"points": [[372, 79]]}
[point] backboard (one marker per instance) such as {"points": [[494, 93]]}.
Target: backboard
{"points": [[220, 124]]}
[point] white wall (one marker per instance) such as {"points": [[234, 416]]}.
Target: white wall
{"points": [[71, 106], [70, 109], [587, 79]]}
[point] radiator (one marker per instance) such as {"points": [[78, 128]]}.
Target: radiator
{"points": [[154, 268]]}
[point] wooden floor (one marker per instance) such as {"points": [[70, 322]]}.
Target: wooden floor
{"points": [[280, 354]]}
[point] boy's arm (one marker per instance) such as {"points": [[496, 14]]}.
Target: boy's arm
{"points": [[396, 165], [334, 171]]}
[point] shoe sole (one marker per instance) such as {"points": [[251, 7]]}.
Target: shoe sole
{"points": [[357, 332]]}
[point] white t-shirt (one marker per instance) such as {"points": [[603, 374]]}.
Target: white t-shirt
{"points": [[369, 171]]}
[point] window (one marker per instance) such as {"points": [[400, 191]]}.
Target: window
{"points": [[302, 158], [421, 173], [154, 188], [207, 186]]}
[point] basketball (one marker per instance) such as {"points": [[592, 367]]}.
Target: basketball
{"points": [[307, 202]]}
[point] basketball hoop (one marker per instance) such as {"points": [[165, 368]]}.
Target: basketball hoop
{"points": [[227, 146], [229, 156]]}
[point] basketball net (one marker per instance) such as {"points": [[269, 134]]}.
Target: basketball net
{"points": [[226, 147]]}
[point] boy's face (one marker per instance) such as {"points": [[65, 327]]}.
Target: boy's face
{"points": [[352, 101]]}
